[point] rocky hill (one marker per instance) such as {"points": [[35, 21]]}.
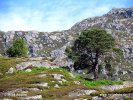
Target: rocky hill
{"points": [[55, 83], [118, 22]]}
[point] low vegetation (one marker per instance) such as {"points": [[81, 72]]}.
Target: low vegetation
{"points": [[6, 63], [25, 80], [93, 83], [119, 91], [28, 80]]}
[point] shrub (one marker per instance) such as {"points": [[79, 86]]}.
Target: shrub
{"points": [[18, 49]]}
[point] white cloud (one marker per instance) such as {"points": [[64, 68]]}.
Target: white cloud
{"points": [[47, 17]]}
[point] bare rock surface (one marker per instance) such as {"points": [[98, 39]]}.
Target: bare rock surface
{"points": [[80, 92], [116, 87]]}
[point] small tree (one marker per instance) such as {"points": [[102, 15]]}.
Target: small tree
{"points": [[18, 49], [91, 46]]}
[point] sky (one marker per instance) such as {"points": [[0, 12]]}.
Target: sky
{"points": [[52, 15]]}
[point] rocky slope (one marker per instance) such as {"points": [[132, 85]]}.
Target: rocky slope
{"points": [[118, 22], [59, 84]]}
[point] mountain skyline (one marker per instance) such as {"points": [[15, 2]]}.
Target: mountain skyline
{"points": [[45, 15]]}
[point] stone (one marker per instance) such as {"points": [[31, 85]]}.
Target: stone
{"points": [[36, 58], [58, 53], [60, 82], [43, 84], [130, 71], [36, 97], [88, 92], [63, 80], [57, 76], [10, 71], [112, 87], [34, 89], [97, 98], [60, 62], [76, 82], [28, 70], [25, 65], [56, 86], [42, 75], [80, 92], [16, 92]]}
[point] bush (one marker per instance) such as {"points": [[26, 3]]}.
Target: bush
{"points": [[18, 49]]}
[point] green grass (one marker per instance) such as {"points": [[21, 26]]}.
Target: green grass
{"points": [[22, 79], [100, 82], [93, 83]]}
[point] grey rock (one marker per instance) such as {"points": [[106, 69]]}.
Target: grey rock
{"points": [[63, 80], [56, 86], [43, 84], [25, 65], [10, 71], [36, 97], [116, 87], [81, 92], [34, 89], [42, 75], [57, 76], [28, 70], [59, 53], [97, 98], [77, 82]]}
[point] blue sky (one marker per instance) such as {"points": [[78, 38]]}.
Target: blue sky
{"points": [[52, 15]]}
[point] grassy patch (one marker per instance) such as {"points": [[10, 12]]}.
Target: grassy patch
{"points": [[92, 83], [100, 82], [26, 80], [6, 63]]}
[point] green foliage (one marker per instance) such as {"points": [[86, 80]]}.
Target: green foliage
{"points": [[92, 83], [18, 49], [91, 45], [127, 98], [119, 54]]}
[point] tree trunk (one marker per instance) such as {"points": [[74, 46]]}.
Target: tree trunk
{"points": [[95, 72], [96, 65]]}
